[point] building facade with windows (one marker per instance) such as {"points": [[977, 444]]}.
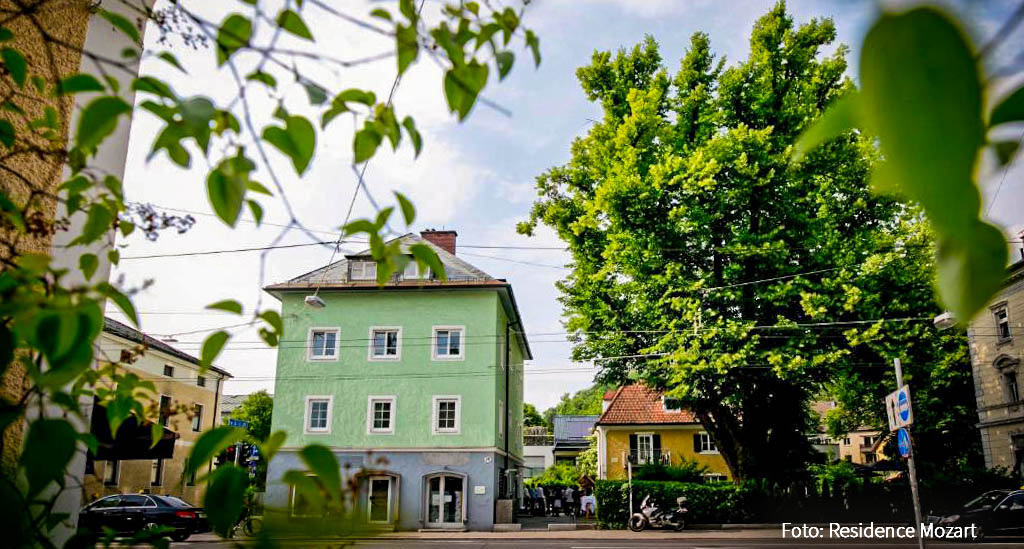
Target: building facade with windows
{"points": [[416, 385], [996, 338], [187, 399], [640, 426]]}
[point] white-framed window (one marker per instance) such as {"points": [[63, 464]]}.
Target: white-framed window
{"points": [[644, 447], [707, 446], [197, 418], [670, 404], [318, 414], [363, 270], [112, 473], [412, 271], [385, 343], [380, 414], [1002, 319], [501, 417], [299, 503], [156, 477], [447, 416], [323, 343], [449, 342]]}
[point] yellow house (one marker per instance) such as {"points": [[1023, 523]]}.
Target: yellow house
{"points": [[640, 426]]}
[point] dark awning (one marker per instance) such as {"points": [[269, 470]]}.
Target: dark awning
{"points": [[134, 439]]}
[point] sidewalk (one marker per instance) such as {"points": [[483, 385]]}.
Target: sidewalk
{"points": [[718, 534]]}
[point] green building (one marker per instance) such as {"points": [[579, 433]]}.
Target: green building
{"points": [[417, 385]]}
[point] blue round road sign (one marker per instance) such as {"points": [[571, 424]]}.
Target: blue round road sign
{"points": [[903, 406], [903, 442]]}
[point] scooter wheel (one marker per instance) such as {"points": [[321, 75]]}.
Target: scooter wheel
{"points": [[636, 524], [678, 526]]}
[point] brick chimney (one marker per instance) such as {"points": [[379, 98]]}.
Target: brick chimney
{"points": [[442, 239]]}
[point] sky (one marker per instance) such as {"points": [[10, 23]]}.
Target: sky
{"points": [[476, 177]]}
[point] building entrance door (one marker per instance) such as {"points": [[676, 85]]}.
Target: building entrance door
{"points": [[378, 509], [446, 502]]}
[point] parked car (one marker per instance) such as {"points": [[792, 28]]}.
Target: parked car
{"points": [[131, 513], [995, 513]]}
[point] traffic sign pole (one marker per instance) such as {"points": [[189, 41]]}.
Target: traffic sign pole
{"points": [[910, 465]]}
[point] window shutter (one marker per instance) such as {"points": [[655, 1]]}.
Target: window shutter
{"points": [[657, 444], [696, 443], [632, 443]]}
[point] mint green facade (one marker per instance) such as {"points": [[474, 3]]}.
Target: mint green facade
{"points": [[413, 379]]}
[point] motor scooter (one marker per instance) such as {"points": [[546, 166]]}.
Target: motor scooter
{"points": [[650, 515]]}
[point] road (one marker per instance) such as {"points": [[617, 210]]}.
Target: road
{"points": [[637, 542]]}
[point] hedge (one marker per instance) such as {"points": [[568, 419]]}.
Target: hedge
{"points": [[708, 503]]}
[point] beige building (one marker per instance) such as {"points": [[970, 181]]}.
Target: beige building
{"points": [[188, 401], [861, 446], [997, 345]]}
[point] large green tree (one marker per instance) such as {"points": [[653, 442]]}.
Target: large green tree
{"points": [[729, 274], [257, 409], [583, 402]]}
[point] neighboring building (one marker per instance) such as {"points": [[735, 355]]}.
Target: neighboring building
{"points": [[416, 384], [228, 404], [188, 401], [862, 446], [996, 338], [538, 451], [570, 438], [640, 426]]}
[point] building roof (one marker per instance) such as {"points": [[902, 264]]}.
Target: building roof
{"points": [[229, 403], [573, 427], [460, 275], [335, 275], [119, 329], [639, 405]]}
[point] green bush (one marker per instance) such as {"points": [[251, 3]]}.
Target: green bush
{"points": [[708, 503], [687, 471]]}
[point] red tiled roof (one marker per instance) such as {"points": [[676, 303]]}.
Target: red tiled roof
{"points": [[639, 405], [610, 394]]}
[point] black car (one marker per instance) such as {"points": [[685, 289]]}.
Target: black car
{"points": [[131, 513], [995, 513]]}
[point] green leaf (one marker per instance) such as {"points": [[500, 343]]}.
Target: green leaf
{"points": [[1009, 109], [260, 76], [7, 133], [297, 140], [534, 44], [154, 86], [317, 95], [307, 487], [426, 256], [322, 463], [293, 23], [121, 300], [88, 263], [381, 13], [226, 186], [504, 60], [414, 135], [212, 346], [234, 33], [225, 498], [227, 305], [156, 432], [49, 447], [5, 34], [15, 64], [211, 443], [971, 270], [365, 143], [273, 318], [122, 24], [359, 226], [462, 85], [99, 120], [98, 223], [257, 211], [408, 210], [273, 443], [77, 83], [407, 45], [171, 60], [839, 117]]}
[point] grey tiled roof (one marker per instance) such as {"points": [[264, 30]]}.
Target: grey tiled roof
{"points": [[119, 329], [228, 403], [458, 271], [574, 427]]}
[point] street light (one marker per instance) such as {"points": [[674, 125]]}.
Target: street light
{"points": [[944, 321], [315, 302]]}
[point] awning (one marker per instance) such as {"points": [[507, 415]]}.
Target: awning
{"points": [[134, 440]]}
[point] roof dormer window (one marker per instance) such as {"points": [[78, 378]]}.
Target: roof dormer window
{"points": [[362, 270], [412, 271]]}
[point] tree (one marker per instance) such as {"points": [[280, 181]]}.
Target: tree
{"points": [[257, 409], [731, 276], [52, 310], [584, 402], [531, 417]]}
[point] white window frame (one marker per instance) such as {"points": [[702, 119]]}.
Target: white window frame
{"points": [[306, 429], [501, 417], [197, 425], [434, 415], [385, 358], [1005, 310], [705, 441], [665, 408], [419, 275], [462, 343], [309, 344], [370, 401], [640, 458], [362, 274], [369, 498]]}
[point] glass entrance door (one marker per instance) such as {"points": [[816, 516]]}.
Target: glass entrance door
{"points": [[379, 500], [445, 501]]}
